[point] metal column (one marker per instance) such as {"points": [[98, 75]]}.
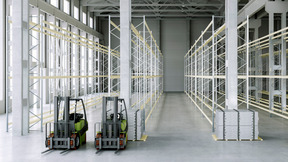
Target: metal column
{"points": [[125, 44], [231, 8], [20, 67], [271, 62]]}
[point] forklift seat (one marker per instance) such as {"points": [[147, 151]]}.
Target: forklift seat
{"points": [[78, 116]]}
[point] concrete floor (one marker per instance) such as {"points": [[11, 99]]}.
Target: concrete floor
{"points": [[176, 132]]}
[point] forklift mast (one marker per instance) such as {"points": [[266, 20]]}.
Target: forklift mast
{"points": [[65, 121], [104, 115]]}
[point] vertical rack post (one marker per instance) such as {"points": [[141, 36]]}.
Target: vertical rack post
{"points": [[202, 70], [190, 57], [247, 63], [213, 73], [195, 70], [144, 63], [109, 56], [151, 72], [41, 69], [7, 64], [283, 63]]}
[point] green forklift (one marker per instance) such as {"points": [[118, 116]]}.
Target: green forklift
{"points": [[112, 131], [70, 129]]}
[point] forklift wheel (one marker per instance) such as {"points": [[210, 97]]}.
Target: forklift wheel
{"points": [[124, 135], [123, 147], [77, 141], [126, 140]]}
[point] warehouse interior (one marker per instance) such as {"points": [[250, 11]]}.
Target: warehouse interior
{"points": [[151, 80]]}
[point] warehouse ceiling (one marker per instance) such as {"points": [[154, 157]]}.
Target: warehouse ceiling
{"points": [[161, 8]]}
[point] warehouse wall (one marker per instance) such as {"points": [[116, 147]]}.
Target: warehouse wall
{"points": [[175, 37]]}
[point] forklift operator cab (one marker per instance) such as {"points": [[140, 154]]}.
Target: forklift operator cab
{"points": [[120, 118]]}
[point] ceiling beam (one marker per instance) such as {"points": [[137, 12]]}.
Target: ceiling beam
{"points": [[252, 7], [153, 10], [161, 15], [217, 5]]}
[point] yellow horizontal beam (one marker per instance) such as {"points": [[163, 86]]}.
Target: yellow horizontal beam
{"points": [[267, 93], [67, 31], [150, 32], [72, 107], [263, 46], [92, 76], [150, 113], [267, 36], [275, 53], [142, 39], [199, 108], [239, 76], [148, 76], [208, 26], [208, 41], [209, 100], [115, 26], [63, 77], [67, 38], [251, 44], [208, 106], [255, 104], [134, 30]]}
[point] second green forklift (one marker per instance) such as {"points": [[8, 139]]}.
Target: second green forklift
{"points": [[113, 130]]}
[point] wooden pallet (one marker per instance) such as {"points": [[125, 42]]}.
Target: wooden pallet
{"points": [[216, 139], [143, 138]]}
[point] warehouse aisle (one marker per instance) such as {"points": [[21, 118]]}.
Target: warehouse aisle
{"points": [[176, 132], [178, 122]]}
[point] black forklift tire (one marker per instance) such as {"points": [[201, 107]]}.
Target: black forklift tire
{"points": [[77, 142], [125, 143], [126, 140], [97, 148]]}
